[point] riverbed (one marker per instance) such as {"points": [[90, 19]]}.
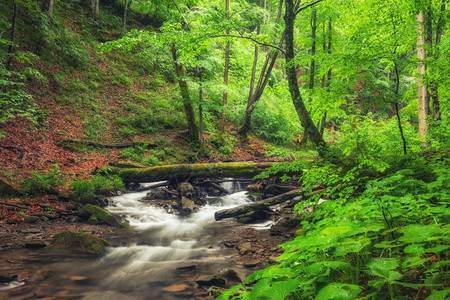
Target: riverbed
{"points": [[161, 256]]}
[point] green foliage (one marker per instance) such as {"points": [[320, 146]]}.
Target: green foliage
{"points": [[42, 183], [84, 191], [385, 239]]}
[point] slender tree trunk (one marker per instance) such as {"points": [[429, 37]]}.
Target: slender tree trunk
{"points": [[200, 114], [294, 90], [433, 86], [262, 80], [95, 8], [124, 19], [399, 121], [225, 73], [421, 70], [11, 37], [51, 4], [187, 102], [312, 67]]}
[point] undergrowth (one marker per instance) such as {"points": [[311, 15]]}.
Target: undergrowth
{"points": [[378, 238]]}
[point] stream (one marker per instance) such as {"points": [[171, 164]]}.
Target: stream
{"points": [[158, 257]]}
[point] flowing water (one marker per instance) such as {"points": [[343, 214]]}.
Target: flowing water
{"points": [[156, 256]]}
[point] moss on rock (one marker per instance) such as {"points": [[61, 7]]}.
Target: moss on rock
{"points": [[105, 216], [82, 241]]}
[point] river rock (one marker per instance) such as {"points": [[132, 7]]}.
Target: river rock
{"points": [[254, 216], [31, 219], [35, 245], [245, 248], [105, 216], [186, 189], [176, 288], [82, 241], [208, 281], [160, 194], [73, 219], [187, 206], [230, 275], [251, 263], [186, 267], [255, 188]]}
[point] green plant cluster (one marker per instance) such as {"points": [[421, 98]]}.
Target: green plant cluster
{"points": [[41, 183], [84, 191], [378, 238]]}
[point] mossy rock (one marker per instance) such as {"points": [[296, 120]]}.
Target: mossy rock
{"points": [[126, 164], [82, 241], [105, 216], [9, 187]]}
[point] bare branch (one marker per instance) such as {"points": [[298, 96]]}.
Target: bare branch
{"points": [[248, 38], [306, 6]]}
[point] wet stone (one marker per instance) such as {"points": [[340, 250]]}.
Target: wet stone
{"points": [[245, 248], [186, 267], [35, 245], [251, 263], [31, 219], [208, 281], [176, 288]]}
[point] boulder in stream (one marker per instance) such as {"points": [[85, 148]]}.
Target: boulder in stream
{"points": [[82, 241], [105, 216]]}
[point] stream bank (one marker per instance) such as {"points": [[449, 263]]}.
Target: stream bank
{"points": [[220, 253]]}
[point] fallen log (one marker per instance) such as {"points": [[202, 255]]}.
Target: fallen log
{"points": [[183, 171], [262, 204], [76, 145]]}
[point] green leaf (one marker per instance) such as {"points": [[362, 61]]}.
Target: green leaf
{"points": [[439, 295], [339, 291], [414, 248]]}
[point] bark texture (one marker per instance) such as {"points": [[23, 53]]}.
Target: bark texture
{"points": [[421, 70], [302, 112], [233, 169]]}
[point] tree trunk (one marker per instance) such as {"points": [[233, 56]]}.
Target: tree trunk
{"points": [[421, 70], [433, 86], [233, 169], [124, 19], [95, 8], [225, 73], [187, 102], [312, 66], [200, 113], [11, 37], [302, 112], [51, 4], [262, 81], [258, 205]]}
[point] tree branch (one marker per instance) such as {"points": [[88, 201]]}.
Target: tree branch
{"points": [[248, 38], [306, 6]]}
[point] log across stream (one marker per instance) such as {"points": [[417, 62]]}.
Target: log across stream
{"points": [[161, 256]]}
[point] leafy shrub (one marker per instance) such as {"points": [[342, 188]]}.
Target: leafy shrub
{"points": [[225, 150], [382, 241], [84, 191], [41, 183]]}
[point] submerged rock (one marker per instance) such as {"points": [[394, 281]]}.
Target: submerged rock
{"points": [[208, 281], [105, 216], [82, 241]]}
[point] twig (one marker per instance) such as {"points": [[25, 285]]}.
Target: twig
{"points": [[15, 205]]}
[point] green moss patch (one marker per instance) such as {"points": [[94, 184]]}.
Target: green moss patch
{"points": [[105, 216], [82, 241]]}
